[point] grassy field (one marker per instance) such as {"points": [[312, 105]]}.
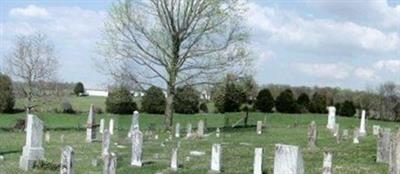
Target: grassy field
{"points": [[238, 144]]}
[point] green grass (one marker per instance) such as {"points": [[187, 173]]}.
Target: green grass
{"points": [[236, 157]]}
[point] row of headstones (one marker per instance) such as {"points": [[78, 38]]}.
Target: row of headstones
{"points": [[334, 127]]}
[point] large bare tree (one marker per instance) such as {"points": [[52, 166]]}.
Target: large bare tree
{"points": [[169, 43], [33, 62]]}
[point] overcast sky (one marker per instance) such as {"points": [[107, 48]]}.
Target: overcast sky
{"points": [[352, 44]]}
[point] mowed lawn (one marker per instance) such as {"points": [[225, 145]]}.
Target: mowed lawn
{"points": [[238, 144]]}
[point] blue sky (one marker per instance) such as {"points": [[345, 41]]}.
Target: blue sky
{"points": [[350, 44]]}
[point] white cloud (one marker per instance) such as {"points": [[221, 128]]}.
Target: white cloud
{"points": [[338, 71], [29, 11], [391, 65], [365, 74]]}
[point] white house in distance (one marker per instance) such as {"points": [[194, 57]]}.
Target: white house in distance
{"points": [[97, 92]]}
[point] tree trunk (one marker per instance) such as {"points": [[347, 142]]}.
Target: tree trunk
{"points": [[169, 109]]}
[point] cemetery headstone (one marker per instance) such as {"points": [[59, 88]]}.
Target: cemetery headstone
{"points": [[383, 146], [327, 164], [363, 131], [134, 123], [259, 127], [105, 143], [200, 128], [345, 134], [174, 159], [394, 159], [336, 131], [189, 130], [258, 161], [101, 127], [111, 126], [355, 136], [91, 125], [216, 158], [67, 161], [331, 118], [312, 135], [218, 132], [177, 130], [47, 137], [110, 163], [375, 129], [33, 150], [137, 143], [288, 160]]}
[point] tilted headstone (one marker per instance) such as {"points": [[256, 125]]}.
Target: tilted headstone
{"points": [[258, 161], [105, 143], [216, 158], [189, 130], [312, 135], [47, 137], [174, 159], [218, 132], [288, 160], [110, 164], [91, 125], [259, 127], [383, 146], [355, 136], [33, 150], [111, 126], [177, 130], [331, 118], [327, 164], [67, 160], [336, 131], [200, 128], [101, 127], [345, 134], [375, 129], [137, 143], [394, 159], [363, 131]]}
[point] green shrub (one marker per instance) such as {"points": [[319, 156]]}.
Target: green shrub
{"points": [[120, 101], [186, 100], [79, 89], [153, 101], [7, 98], [347, 108], [66, 107], [264, 101], [285, 102], [303, 103], [318, 103], [229, 98], [203, 107]]}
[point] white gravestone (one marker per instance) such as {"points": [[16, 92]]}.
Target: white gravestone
{"points": [[177, 130], [383, 146], [174, 159], [200, 128], [105, 143], [67, 161], [91, 125], [189, 130], [363, 131], [137, 142], [110, 163], [134, 123], [375, 129], [101, 127], [331, 118], [259, 127], [327, 164], [288, 160], [218, 133], [336, 131], [355, 136], [258, 161], [47, 137], [33, 150], [111, 126], [216, 158]]}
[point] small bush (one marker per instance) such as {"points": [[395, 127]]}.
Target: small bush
{"points": [[264, 101], [66, 107], [120, 101], [153, 101], [285, 102], [204, 107], [7, 99], [79, 89], [303, 103], [347, 109], [318, 103], [229, 98], [186, 100]]}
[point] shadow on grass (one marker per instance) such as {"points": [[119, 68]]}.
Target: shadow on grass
{"points": [[10, 152]]}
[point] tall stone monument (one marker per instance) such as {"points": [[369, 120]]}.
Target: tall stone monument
{"points": [[363, 131], [67, 161], [137, 143], [331, 118], [91, 125]]}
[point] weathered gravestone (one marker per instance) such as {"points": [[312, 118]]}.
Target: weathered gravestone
{"points": [[189, 130], [288, 160], [134, 123], [345, 134], [177, 130], [110, 164], [101, 127], [327, 164], [105, 143], [218, 132], [200, 128], [47, 137], [394, 159], [258, 161], [91, 125], [67, 161], [312, 135], [137, 143], [174, 159], [331, 118], [363, 131], [111, 126], [355, 136], [383, 146], [259, 127], [216, 158], [33, 150], [375, 129], [336, 131]]}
